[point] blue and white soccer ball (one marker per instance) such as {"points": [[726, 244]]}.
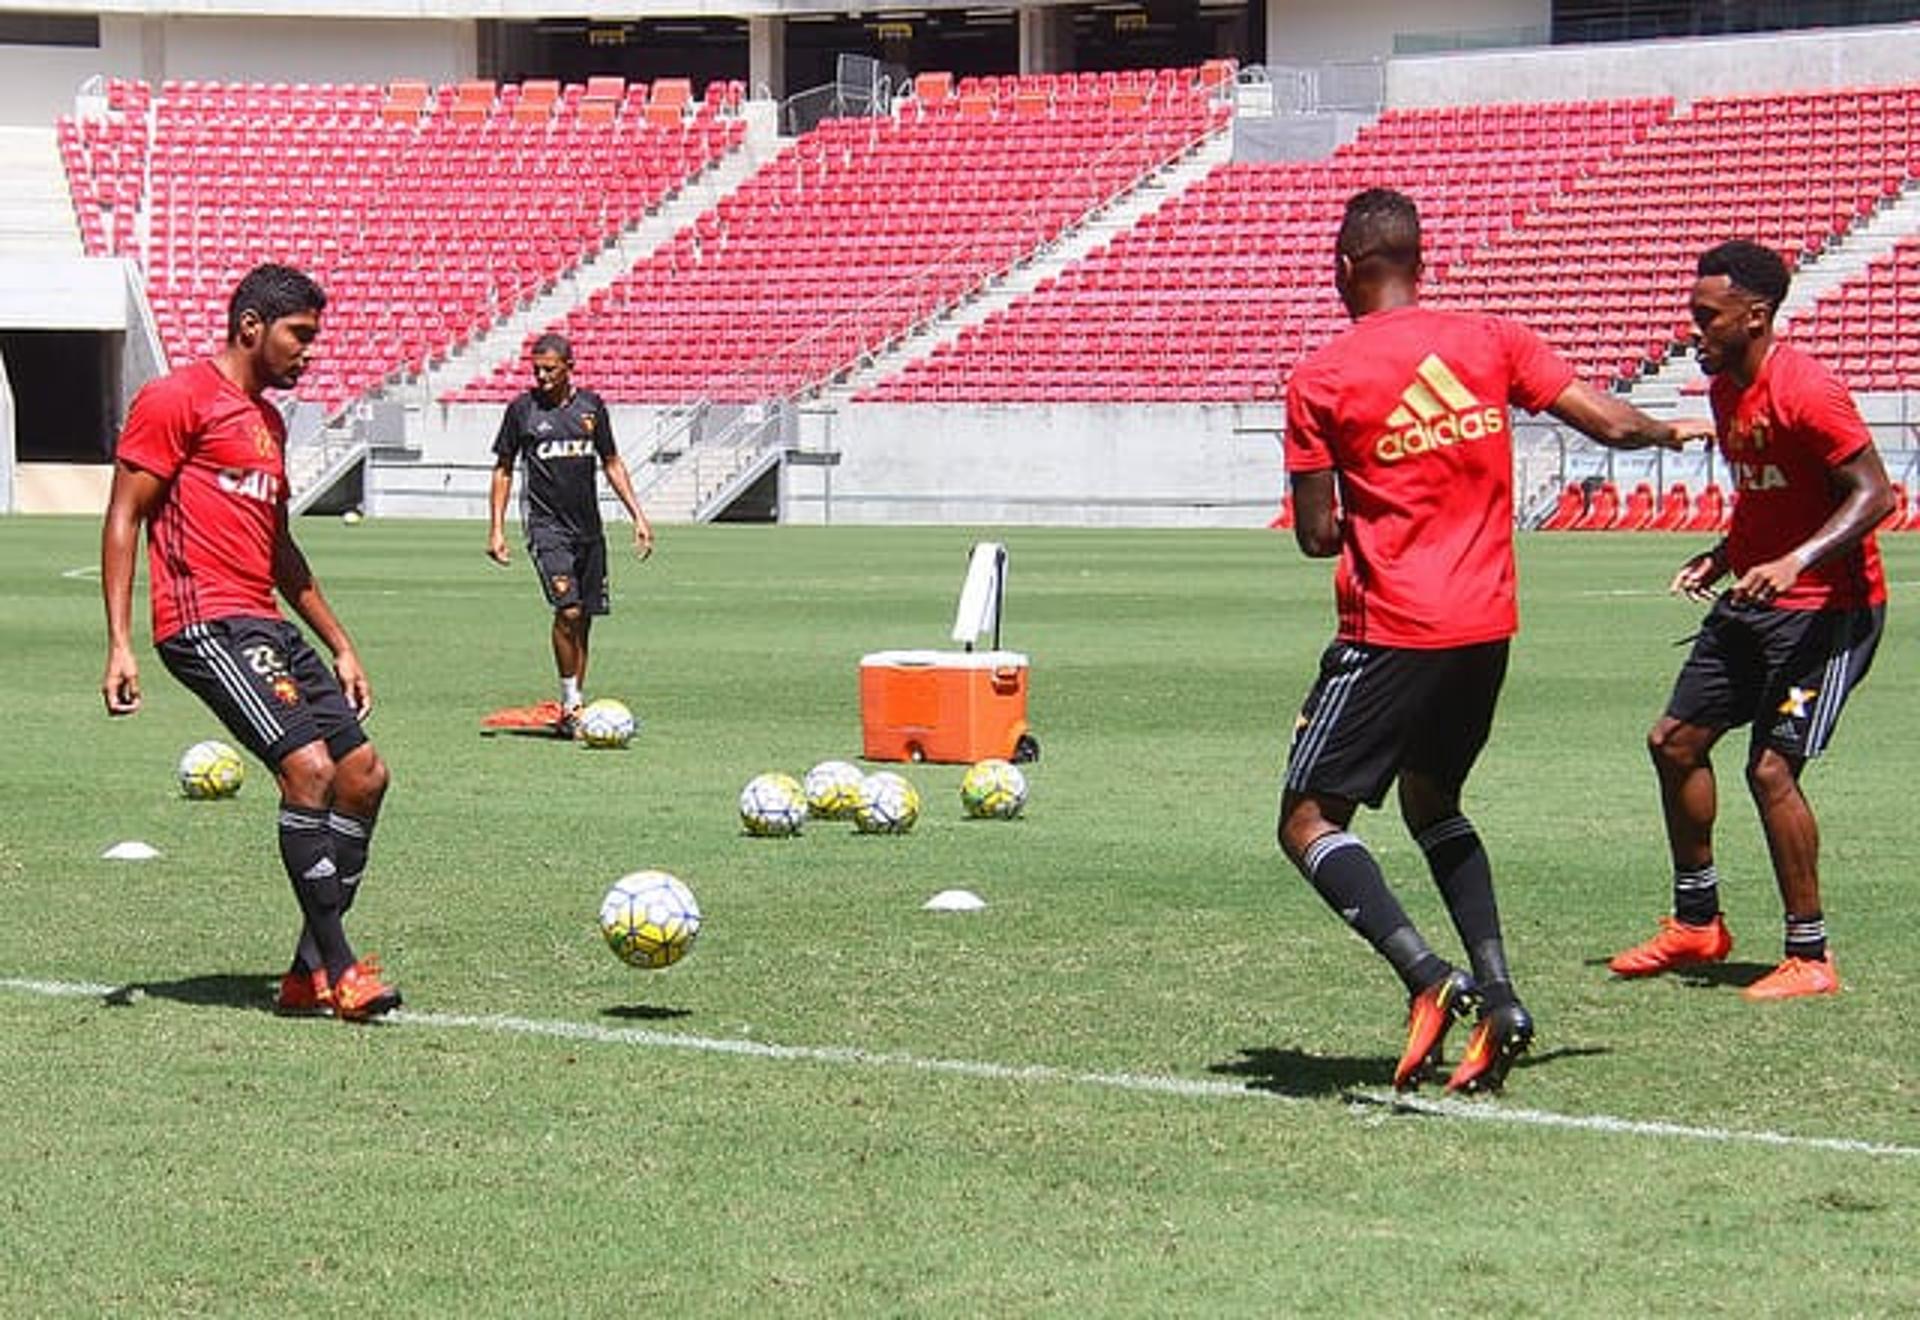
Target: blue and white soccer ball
{"points": [[773, 805], [888, 804], [649, 919], [833, 790], [211, 769], [606, 723]]}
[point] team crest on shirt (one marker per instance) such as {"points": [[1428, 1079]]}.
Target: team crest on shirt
{"points": [[262, 440], [586, 423]]}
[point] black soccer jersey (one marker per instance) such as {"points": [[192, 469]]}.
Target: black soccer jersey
{"points": [[560, 446]]}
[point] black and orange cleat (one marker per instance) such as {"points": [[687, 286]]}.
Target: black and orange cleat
{"points": [[1500, 1036], [360, 995], [1429, 1014]]}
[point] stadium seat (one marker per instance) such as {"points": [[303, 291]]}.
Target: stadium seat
{"points": [[1638, 513], [1709, 510], [1676, 507], [1567, 510], [1603, 510]]}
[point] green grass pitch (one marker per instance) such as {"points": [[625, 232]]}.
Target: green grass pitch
{"points": [[187, 1152]]}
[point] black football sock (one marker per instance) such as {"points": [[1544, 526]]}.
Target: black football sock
{"points": [[1807, 936], [352, 836], [1345, 874], [1696, 895], [1464, 876], [306, 850]]}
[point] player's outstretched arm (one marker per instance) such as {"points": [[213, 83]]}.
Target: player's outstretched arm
{"points": [[134, 495], [497, 511], [1696, 577], [1617, 424], [1316, 517], [616, 470], [298, 587]]}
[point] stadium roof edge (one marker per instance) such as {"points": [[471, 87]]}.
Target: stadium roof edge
{"points": [[461, 10]]}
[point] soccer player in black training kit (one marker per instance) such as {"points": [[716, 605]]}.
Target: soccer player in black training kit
{"points": [[560, 431]]}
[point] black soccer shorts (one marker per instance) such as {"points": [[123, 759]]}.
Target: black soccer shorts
{"points": [[1786, 672], [572, 572], [267, 685], [1375, 711]]}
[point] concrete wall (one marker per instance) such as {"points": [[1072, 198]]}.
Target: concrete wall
{"points": [[1682, 70], [1312, 31], [37, 83]]}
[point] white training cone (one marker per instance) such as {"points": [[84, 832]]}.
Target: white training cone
{"points": [[955, 900], [131, 851]]}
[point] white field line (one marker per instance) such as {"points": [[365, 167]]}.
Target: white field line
{"points": [[1472, 1111]]}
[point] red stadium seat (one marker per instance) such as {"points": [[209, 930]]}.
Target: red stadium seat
{"points": [[1603, 510], [1638, 513], [1676, 507], [1709, 510]]}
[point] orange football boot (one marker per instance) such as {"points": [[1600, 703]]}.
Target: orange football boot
{"points": [[360, 995], [1796, 977], [1429, 1014], [1677, 945], [1501, 1036], [304, 994]]}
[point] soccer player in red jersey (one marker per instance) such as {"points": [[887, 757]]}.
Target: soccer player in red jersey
{"points": [[201, 465], [1399, 453], [1783, 647]]}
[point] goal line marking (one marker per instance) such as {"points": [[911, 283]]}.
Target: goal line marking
{"points": [[1474, 1111]]}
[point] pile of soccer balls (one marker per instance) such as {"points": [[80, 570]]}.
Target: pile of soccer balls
{"points": [[775, 805], [209, 770]]}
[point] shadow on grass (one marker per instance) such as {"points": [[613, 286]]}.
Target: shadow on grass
{"points": [[252, 991], [1310, 1076], [645, 1012], [1704, 975]]}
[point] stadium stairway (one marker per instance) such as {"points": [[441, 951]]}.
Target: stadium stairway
{"points": [[36, 206], [1875, 236], [507, 340], [1152, 193]]}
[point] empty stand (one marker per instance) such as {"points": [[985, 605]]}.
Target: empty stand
{"points": [[426, 213], [1868, 329], [863, 228], [1213, 296]]}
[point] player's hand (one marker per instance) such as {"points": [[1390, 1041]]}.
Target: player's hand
{"points": [[121, 685], [497, 548], [1765, 583], [353, 682], [643, 541], [1688, 429], [1696, 577]]}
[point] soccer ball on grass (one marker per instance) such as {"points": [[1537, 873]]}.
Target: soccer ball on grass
{"points": [[833, 790], [606, 723], [773, 805], [649, 919], [211, 769], [888, 804], [993, 790]]}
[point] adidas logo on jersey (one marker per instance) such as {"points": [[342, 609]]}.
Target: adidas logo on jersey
{"points": [[1435, 411]]}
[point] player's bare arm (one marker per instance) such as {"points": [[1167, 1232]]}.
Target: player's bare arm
{"points": [[1865, 498], [622, 484], [1316, 515], [135, 494], [497, 511], [293, 576], [1617, 424]]}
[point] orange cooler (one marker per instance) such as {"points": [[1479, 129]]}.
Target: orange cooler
{"points": [[950, 706]]}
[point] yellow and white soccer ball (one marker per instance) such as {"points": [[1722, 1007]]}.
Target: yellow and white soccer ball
{"points": [[773, 805], [833, 790], [211, 769], [888, 804], [649, 919], [606, 723], [993, 790]]}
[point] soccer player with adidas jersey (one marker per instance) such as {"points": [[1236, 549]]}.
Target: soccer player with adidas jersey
{"points": [[1399, 453], [201, 465], [561, 433], [1783, 647]]}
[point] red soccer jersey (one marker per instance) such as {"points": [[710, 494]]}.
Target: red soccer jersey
{"points": [[1409, 409], [210, 542], [1781, 436]]}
